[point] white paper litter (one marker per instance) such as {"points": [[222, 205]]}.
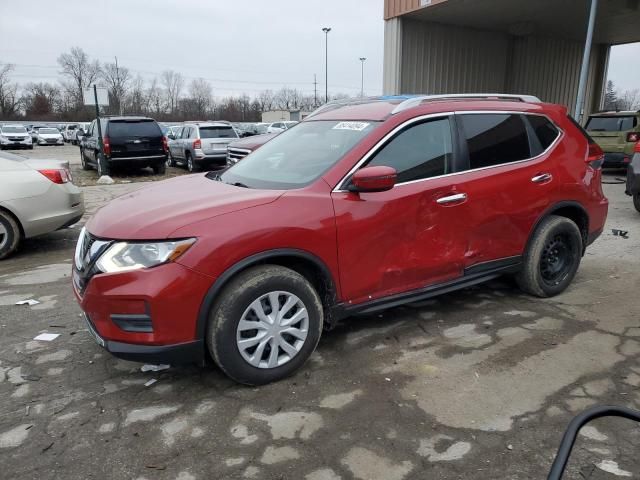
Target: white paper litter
{"points": [[29, 302], [47, 337], [154, 368], [150, 382]]}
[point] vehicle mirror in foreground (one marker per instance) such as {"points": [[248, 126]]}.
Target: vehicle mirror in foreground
{"points": [[373, 179]]}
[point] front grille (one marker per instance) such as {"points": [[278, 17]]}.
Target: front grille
{"points": [[88, 251], [236, 154], [16, 139]]}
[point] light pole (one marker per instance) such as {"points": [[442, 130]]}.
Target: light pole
{"points": [[326, 31], [362, 59]]}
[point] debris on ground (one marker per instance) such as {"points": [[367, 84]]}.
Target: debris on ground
{"points": [[620, 233], [105, 180], [29, 302], [151, 382], [154, 368], [47, 337]]}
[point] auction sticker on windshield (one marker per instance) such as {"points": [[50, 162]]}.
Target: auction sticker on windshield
{"points": [[358, 126]]}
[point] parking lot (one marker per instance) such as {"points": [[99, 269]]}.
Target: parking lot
{"points": [[475, 384]]}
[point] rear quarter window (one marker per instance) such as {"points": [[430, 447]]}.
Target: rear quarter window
{"points": [[145, 128], [613, 123], [217, 132], [544, 129]]}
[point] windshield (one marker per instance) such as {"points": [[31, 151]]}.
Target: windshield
{"points": [[611, 124], [48, 130], [298, 156], [8, 129], [262, 128], [217, 132]]}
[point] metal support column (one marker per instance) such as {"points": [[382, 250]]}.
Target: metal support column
{"points": [[584, 72]]}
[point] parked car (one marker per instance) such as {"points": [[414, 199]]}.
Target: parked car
{"points": [[278, 127], [14, 136], [239, 149], [202, 145], [49, 136], [33, 132], [128, 141], [79, 132], [69, 132], [616, 133], [36, 197], [633, 177], [408, 199]]}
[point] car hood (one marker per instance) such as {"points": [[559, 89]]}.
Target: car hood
{"points": [[23, 135], [156, 211], [251, 143]]}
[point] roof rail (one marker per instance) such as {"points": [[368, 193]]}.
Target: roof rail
{"points": [[415, 101]]}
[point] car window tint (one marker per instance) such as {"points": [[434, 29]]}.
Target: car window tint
{"points": [[615, 123], [217, 132], [495, 139], [544, 130], [420, 151], [145, 128]]}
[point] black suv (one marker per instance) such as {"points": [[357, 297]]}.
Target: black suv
{"points": [[128, 141]]}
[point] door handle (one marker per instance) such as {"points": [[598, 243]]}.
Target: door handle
{"points": [[457, 198], [542, 178]]}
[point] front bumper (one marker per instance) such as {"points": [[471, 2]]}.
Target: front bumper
{"points": [[27, 143], [146, 315]]}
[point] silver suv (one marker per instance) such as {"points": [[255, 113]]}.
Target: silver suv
{"points": [[201, 145]]}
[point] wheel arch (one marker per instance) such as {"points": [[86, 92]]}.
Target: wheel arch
{"points": [[305, 263], [15, 217], [572, 210]]}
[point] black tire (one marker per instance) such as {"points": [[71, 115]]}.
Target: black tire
{"points": [[636, 201], [170, 161], [102, 165], [10, 235], [552, 258], [30, 147], [234, 300], [83, 161], [159, 168], [191, 163]]}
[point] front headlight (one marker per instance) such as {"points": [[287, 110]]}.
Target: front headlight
{"points": [[124, 256]]}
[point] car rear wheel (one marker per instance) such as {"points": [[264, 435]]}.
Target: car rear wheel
{"points": [[83, 161], [160, 168], [265, 325], [552, 258], [636, 201], [170, 161], [191, 164], [102, 165], [10, 235]]}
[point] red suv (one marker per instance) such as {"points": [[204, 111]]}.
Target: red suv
{"points": [[365, 205]]}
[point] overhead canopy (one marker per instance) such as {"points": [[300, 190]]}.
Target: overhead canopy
{"points": [[618, 21]]}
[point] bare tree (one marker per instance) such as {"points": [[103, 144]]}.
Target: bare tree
{"points": [[117, 79], [136, 97], [288, 99], [154, 98], [173, 83], [9, 101], [201, 97], [628, 99], [40, 100], [265, 100], [80, 70]]}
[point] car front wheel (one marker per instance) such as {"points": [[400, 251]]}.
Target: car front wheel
{"points": [[83, 161], [10, 235], [552, 258], [265, 325]]}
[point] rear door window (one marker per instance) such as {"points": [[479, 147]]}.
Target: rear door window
{"points": [[217, 132], [145, 128], [616, 123], [495, 139]]}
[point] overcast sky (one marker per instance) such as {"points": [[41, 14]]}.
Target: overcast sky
{"points": [[239, 45]]}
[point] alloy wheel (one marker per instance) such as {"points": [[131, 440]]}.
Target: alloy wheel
{"points": [[4, 236], [272, 330]]}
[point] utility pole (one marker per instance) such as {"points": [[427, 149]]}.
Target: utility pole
{"points": [[362, 59], [118, 86], [315, 91], [326, 31]]}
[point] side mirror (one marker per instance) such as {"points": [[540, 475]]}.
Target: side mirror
{"points": [[171, 136], [373, 179]]}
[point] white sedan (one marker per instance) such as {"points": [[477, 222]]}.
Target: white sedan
{"points": [[49, 136], [278, 127]]}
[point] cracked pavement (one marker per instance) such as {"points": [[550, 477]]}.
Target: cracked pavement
{"points": [[475, 384]]}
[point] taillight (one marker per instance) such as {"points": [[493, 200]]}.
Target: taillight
{"points": [[165, 145], [197, 143], [106, 146], [58, 176], [636, 149], [633, 137], [595, 155]]}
